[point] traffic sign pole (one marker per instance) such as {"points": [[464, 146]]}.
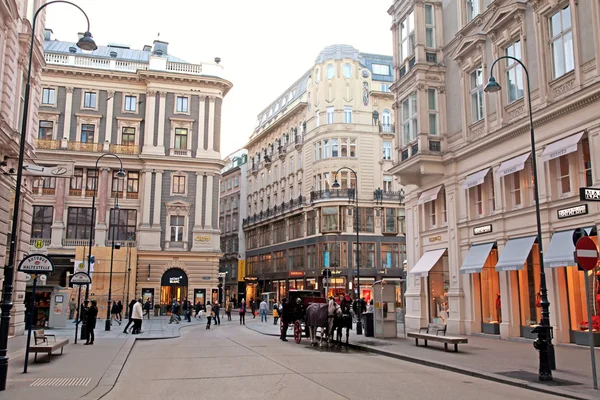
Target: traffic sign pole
{"points": [[590, 330]]}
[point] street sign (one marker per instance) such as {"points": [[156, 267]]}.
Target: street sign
{"points": [[36, 263], [38, 247], [589, 194], [586, 252], [80, 278], [64, 171]]}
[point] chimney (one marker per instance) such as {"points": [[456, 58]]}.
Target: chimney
{"points": [[160, 48], [48, 34]]}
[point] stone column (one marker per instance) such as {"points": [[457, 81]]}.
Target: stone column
{"points": [[68, 111], [209, 200], [109, 116], [58, 227], [149, 122], [147, 182], [211, 124], [101, 198], [148, 238], [160, 144], [594, 139], [198, 200], [201, 116], [157, 198]]}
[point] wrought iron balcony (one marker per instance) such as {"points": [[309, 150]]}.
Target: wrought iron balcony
{"points": [[49, 144], [124, 149], [329, 194], [380, 195], [387, 128]]}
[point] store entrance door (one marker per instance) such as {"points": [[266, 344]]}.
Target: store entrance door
{"points": [[174, 285]]}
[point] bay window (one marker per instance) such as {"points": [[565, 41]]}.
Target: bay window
{"points": [[329, 219], [409, 119], [429, 26], [407, 36], [433, 111]]}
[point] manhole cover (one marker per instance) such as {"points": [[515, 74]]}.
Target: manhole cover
{"points": [[533, 377], [372, 343], [61, 382]]}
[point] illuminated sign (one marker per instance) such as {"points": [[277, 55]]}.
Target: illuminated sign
{"points": [[480, 230], [572, 211]]}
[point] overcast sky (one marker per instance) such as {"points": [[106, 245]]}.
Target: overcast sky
{"points": [[264, 45]]}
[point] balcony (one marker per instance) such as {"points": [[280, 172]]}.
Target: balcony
{"points": [[420, 158], [124, 149], [387, 129], [87, 147], [77, 242], [299, 141], [380, 196], [276, 210], [332, 194], [48, 144]]}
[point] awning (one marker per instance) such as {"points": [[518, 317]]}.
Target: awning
{"points": [[515, 254], [429, 195], [476, 258], [427, 261], [475, 179], [560, 250], [513, 165], [562, 147]]}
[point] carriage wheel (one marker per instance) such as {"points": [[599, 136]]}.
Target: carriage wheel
{"points": [[297, 331]]}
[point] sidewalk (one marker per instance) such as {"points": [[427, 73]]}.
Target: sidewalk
{"points": [[506, 361]]}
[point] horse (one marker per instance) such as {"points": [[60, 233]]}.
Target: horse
{"points": [[319, 315], [343, 321]]}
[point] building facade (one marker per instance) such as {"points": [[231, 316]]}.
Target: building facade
{"points": [[232, 212], [162, 117], [15, 36], [465, 159], [338, 114]]}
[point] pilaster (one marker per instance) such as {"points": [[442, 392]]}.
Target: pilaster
{"points": [[211, 124], [109, 116], [147, 182], [157, 198], [160, 144], [58, 227], [149, 123], [101, 198], [209, 201], [201, 117], [68, 112]]}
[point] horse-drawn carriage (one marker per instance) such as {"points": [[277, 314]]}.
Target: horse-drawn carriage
{"points": [[298, 301]]}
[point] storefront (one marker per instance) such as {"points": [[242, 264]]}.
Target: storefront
{"points": [[337, 286], [366, 287], [251, 288], [279, 287], [200, 296], [173, 285], [312, 284], [433, 266], [296, 284]]}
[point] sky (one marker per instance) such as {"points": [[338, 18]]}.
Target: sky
{"points": [[264, 45]]}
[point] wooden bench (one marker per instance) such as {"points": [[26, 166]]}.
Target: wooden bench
{"points": [[43, 345], [432, 333]]}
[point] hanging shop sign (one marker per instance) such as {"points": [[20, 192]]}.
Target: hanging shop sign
{"points": [[80, 278], [572, 211], [36, 263], [480, 230], [241, 270], [589, 194]]}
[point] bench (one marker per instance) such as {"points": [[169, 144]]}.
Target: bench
{"points": [[43, 345], [432, 333]]}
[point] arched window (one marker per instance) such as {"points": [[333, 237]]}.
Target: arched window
{"points": [[317, 75], [347, 71], [330, 71], [386, 118]]}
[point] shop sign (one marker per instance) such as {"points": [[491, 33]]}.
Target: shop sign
{"points": [[206, 278], [480, 230], [589, 194], [382, 271], [174, 277], [202, 238], [572, 211], [36, 263], [296, 273], [251, 278], [80, 278], [435, 239], [241, 270]]}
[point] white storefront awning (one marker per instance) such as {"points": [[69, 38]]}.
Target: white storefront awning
{"points": [[427, 261], [476, 258], [513, 165], [429, 195], [560, 250], [515, 254], [475, 179], [562, 147]]}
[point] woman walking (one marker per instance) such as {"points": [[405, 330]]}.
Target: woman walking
{"points": [[228, 310], [91, 314], [114, 313], [243, 312], [208, 314], [120, 313], [131, 304]]}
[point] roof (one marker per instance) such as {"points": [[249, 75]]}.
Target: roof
{"points": [[57, 46]]}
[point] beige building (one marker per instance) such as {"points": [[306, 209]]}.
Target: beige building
{"points": [[465, 158], [162, 116], [338, 114], [15, 35]]}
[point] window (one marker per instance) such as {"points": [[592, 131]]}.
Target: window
{"points": [[92, 180], [296, 258], [276, 173], [516, 189], [390, 222], [387, 150], [344, 147], [561, 42], [330, 71], [429, 26], [48, 96], [333, 254], [77, 179], [476, 80], [130, 103], [433, 111], [283, 169], [279, 231], [117, 183], [87, 133], [472, 9], [514, 72], [89, 99], [181, 139], [122, 224], [391, 256], [182, 104], [311, 223], [133, 182], [409, 118], [326, 149], [385, 87], [367, 220], [347, 114], [386, 121], [292, 165], [317, 75], [178, 184], [367, 255], [262, 180], [329, 219], [407, 37], [128, 136], [229, 182], [46, 130], [564, 179], [79, 222], [347, 71], [387, 183], [236, 181], [330, 115], [381, 69], [177, 228], [41, 224], [587, 163], [352, 147], [317, 118], [476, 194]]}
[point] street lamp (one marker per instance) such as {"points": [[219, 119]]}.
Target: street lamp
{"points": [[112, 257], [120, 174], [336, 185], [544, 342], [85, 43]]}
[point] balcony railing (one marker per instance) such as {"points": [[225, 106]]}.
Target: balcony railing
{"points": [[175, 245], [132, 195], [380, 195], [49, 191], [274, 211], [181, 152], [75, 192], [90, 193], [77, 242], [45, 240], [123, 243], [119, 195], [329, 194], [387, 128], [88, 147], [124, 149], [49, 144]]}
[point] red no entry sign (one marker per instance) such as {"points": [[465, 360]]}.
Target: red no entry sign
{"points": [[586, 252]]}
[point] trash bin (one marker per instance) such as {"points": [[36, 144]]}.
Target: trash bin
{"points": [[367, 322]]}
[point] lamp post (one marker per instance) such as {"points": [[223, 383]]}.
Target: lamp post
{"points": [[112, 257], [544, 341], [86, 43], [120, 174], [336, 185]]}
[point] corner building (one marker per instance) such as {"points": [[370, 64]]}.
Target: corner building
{"points": [[338, 114], [464, 156], [162, 116]]}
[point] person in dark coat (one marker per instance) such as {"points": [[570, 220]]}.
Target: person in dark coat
{"points": [[91, 315], [147, 307], [285, 319], [120, 315], [253, 308], [131, 304]]}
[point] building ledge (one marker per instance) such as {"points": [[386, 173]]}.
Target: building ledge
{"points": [[412, 170]]}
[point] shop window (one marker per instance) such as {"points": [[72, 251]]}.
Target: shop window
{"points": [[529, 290], [329, 219], [41, 223], [122, 224], [491, 312], [390, 224], [366, 254], [561, 42], [265, 263], [366, 220], [438, 282], [79, 223], [586, 160], [252, 266]]}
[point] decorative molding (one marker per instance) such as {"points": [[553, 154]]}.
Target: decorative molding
{"points": [[69, 89], [564, 88]]}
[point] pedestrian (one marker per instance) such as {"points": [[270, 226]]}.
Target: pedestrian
{"points": [[72, 308], [114, 313], [217, 311], [187, 310], [262, 308], [253, 308], [199, 310], [175, 312], [234, 302], [137, 316], [209, 314], [228, 309], [91, 314], [243, 312], [147, 307], [131, 304], [275, 313], [120, 314], [285, 319]]}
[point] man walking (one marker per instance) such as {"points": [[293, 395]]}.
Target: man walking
{"points": [[147, 308], [91, 314], [137, 316], [217, 309], [262, 309], [187, 310], [243, 312], [175, 312], [131, 304], [72, 308], [253, 308], [285, 319]]}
